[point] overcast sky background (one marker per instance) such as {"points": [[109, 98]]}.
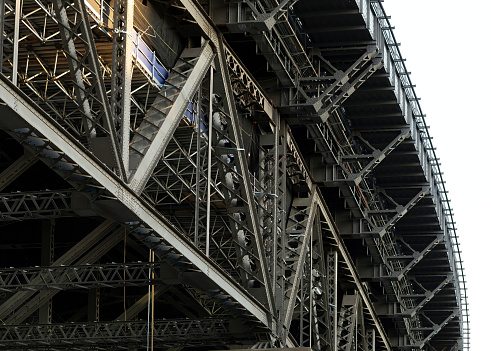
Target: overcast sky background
{"points": [[447, 47]]}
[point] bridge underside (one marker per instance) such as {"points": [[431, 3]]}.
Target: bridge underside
{"points": [[211, 175]]}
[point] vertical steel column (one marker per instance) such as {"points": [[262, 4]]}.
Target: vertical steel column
{"points": [[198, 169], [319, 292], [18, 11], [200, 215], [265, 190], [122, 72], [47, 258], [210, 149], [371, 341], [2, 22], [276, 154], [93, 305], [332, 296], [280, 221]]}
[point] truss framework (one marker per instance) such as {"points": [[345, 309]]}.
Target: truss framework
{"points": [[257, 250]]}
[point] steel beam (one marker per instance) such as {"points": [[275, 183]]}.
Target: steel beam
{"points": [[301, 232], [17, 168], [47, 258], [428, 296], [418, 256], [234, 63], [132, 312], [347, 323], [263, 21], [377, 157], [122, 67], [353, 271], [86, 276], [35, 205], [436, 328], [332, 297], [15, 58], [116, 334], [380, 231], [246, 187], [2, 26], [340, 86], [169, 125]]}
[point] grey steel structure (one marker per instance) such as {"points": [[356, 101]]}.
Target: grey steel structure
{"points": [[206, 175]]}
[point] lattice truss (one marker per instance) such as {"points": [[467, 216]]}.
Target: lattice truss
{"points": [[201, 168]]}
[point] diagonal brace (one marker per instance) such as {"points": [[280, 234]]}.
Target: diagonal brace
{"points": [[377, 156], [42, 122], [436, 329], [418, 256], [263, 21], [428, 296], [245, 174], [400, 212], [301, 261], [166, 130]]}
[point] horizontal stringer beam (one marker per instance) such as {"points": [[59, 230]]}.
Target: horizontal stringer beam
{"points": [[118, 334], [79, 277], [35, 205]]}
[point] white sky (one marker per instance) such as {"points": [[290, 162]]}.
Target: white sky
{"points": [[447, 45]]}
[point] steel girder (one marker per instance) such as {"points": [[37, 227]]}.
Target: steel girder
{"points": [[79, 277], [130, 334], [66, 143], [38, 300], [121, 78], [254, 19], [16, 169], [156, 133], [35, 205]]}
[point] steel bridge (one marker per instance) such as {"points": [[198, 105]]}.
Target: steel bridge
{"points": [[211, 175]]}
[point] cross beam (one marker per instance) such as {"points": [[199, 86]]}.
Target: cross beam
{"points": [[80, 276], [118, 333]]}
